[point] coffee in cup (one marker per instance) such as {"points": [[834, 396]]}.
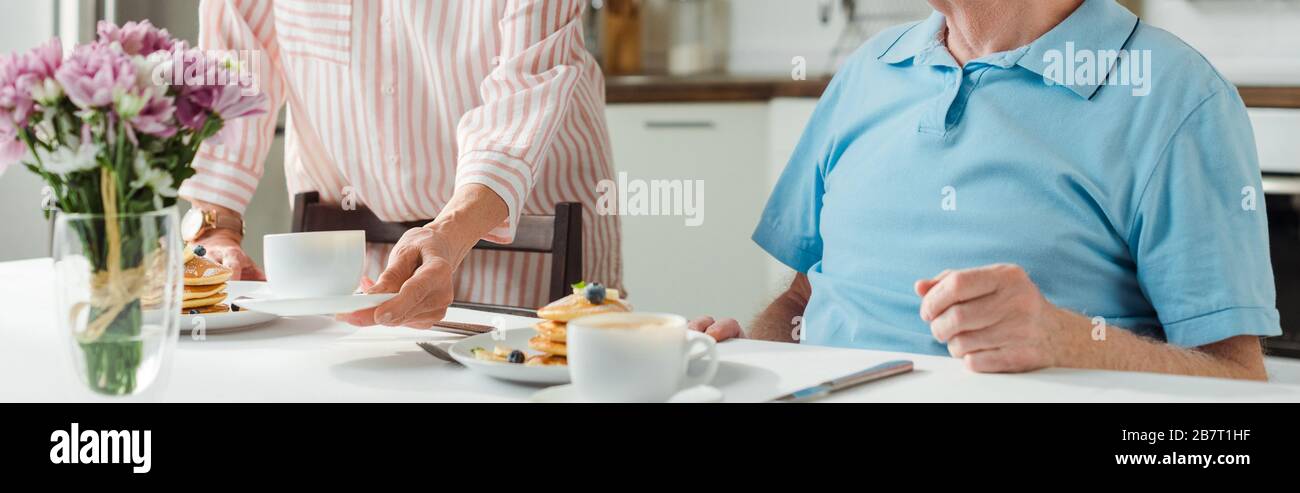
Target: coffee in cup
{"points": [[637, 357]]}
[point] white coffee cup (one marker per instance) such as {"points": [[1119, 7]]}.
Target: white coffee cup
{"points": [[636, 357], [314, 264]]}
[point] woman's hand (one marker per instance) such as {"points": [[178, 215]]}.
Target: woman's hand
{"points": [[223, 247], [420, 271]]}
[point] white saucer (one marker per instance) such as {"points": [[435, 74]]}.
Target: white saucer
{"points": [[324, 305], [513, 339], [701, 394]]}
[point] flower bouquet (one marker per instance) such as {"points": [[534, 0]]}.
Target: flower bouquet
{"points": [[112, 130]]}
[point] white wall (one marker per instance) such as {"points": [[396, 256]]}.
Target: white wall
{"points": [[766, 34], [1250, 41], [760, 37]]}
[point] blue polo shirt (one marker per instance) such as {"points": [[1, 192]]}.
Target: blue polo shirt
{"points": [[1127, 186]]}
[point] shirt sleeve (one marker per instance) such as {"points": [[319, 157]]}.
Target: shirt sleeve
{"points": [[227, 172], [789, 228], [1200, 233], [525, 97]]}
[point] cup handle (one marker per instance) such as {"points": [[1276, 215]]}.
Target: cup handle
{"points": [[710, 353]]}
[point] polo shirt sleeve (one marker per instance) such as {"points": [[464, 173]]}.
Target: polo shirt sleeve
{"points": [[789, 228], [1200, 231]]}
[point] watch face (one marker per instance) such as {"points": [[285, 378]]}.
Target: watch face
{"points": [[191, 224]]}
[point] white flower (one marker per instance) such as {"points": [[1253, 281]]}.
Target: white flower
{"points": [[47, 92], [128, 105], [150, 71], [69, 159], [156, 179]]}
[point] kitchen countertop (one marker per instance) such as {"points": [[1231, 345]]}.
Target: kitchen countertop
{"points": [[311, 359], [738, 88]]}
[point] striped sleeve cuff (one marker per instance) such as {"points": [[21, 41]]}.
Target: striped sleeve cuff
{"points": [[221, 182], [510, 177]]}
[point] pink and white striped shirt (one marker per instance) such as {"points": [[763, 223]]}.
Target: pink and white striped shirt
{"points": [[400, 101]]}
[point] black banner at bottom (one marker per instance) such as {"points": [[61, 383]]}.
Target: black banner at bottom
{"points": [[145, 442]]}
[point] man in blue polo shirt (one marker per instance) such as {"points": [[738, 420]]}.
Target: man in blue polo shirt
{"points": [[1025, 184]]}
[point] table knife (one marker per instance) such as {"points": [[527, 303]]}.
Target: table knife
{"points": [[883, 370]]}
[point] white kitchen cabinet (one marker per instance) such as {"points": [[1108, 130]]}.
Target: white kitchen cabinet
{"points": [[713, 268]]}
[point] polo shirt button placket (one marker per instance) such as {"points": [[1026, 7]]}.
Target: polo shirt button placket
{"points": [[935, 122]]}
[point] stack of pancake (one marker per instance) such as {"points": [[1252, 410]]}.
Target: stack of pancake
{"points": [[205, 284], [553, 331]]}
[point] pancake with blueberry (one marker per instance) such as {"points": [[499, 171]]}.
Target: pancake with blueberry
{"points": [[587, 299], [205, 283], [201, 271]]}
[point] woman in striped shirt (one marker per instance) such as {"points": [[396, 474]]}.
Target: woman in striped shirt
{"points": [[469, 112]]}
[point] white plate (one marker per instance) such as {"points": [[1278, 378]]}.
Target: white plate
{"points": [[513, 339], [325, 305], [216, 323], [229, 321], [568, 394]]}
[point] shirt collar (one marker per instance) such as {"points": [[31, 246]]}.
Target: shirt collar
{"points": [[921, 37], [1097, 25]]}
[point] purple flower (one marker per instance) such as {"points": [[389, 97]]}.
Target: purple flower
{"points": [[25, 79], [94, 73], [220, 94], [136, 38], [155, 117], [45, 59], [15, 101]]}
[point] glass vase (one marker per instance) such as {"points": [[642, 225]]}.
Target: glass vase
{"points": [[118, 296]]}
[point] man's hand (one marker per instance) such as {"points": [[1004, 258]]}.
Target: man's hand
{"points": [[992, 317], [420, 272], [721, 330], [223, 247]]}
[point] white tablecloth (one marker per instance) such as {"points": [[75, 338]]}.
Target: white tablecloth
{"points": [[318, 359]]}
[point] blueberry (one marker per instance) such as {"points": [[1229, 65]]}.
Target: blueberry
{"points": [[595, 293], [200, 251], [516, 356], [234, 308], [194, 311]]}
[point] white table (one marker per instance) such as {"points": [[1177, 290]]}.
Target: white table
{"points": [[318, 359]]}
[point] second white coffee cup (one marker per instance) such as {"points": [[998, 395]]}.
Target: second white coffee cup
{"points": [[637, 357], [314, 264]]}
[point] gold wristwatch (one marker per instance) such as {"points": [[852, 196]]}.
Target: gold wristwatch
{"points": [[198, 222]]}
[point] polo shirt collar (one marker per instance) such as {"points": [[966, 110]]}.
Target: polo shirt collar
{"points": [[922, 37], [1097, 25]]}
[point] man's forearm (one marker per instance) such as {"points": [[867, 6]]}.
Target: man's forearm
{"points": [[778, 321], [470, 214], [1124, 350]]}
